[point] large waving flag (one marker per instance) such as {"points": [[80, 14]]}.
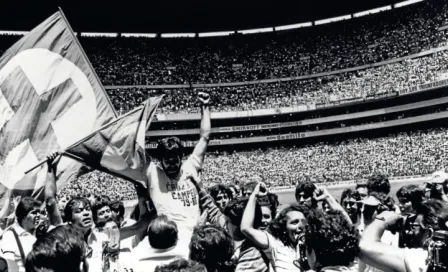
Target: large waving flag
{"points": [[118, 148], [50, 97]]}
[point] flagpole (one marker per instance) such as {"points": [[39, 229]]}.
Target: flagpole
{"points": [[87, 137], [87, 60], [105, 170]]}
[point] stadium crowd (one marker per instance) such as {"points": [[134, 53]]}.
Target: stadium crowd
{"points": [[361, 83], [356, 42]]}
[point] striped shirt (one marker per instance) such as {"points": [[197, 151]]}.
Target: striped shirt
{"points": [[281, 257]]}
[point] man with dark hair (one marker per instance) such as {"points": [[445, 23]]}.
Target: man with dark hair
{"points": [[361, 187], [169, 183], [101, 212], [379, 184], [182, 265], [18, 241], [163, 246], [305, 194], [117, 210], [60, 250], [409, 198], [221, 194]]}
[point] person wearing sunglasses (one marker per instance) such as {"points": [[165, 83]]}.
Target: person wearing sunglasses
{"points": [[431, 223]]}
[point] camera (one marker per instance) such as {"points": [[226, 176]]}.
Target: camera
{"points": [[438, 252]]}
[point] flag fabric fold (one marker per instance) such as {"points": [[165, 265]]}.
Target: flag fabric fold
{"points": [[50, 97], [118, 147]]}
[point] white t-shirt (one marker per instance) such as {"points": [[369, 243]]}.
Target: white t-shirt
{"points": [[176, 198], [281, 257]]}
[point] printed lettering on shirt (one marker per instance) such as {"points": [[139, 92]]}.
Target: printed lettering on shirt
{"points": [[183, 192]]}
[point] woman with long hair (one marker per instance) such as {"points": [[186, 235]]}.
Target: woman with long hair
{"points": [[281, 245]]}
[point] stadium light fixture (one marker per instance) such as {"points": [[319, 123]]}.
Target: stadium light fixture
{"points": [[139, 35], [332, 20], [406, 3], [216, 34], [97, 34], [256, 30], [178, 35], [293, 26], [372, 11]]}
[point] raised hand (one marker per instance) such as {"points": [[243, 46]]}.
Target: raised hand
{"points": [[204, 98], [53, 160]]}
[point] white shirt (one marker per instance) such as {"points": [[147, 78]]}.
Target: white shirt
{"points": [[281, 257], [10, 249], [176, 198]]}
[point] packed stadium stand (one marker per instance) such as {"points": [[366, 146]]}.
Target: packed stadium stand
{"points": [[333, 102]]}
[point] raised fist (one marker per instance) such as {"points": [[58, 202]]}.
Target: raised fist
{"points": [[204, 98]]}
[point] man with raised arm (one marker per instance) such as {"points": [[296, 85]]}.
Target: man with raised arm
{"points": [[169, 183]]}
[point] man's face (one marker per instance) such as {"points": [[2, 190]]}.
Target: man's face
{"points": [[82, 217], [171, 164], [419, 232], [305, 199], [221, 200], [363, 192], [405, 206], [104, 214], [32, 219]]}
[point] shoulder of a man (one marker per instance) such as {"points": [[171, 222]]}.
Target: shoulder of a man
{"points": [[193, 162]]}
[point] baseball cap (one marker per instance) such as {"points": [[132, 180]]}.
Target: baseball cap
{"points": [[370, 201], [439, 177]]}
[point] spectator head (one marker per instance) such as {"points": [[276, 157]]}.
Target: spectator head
{"points": [[269, 204], [432, 215], [213, 247], [361, 188], [221, 194], [375, 204], [350, 202], [117, 209], [437, 185], [304, 194], [181, 265], [29, 213], [170, 153], [235, 190], [330, 240], [101, 212], [162, 232], [409, 198], [248, 187], [379, 184], [234, 212], [289, 225], [78, 212], [60, 250]]}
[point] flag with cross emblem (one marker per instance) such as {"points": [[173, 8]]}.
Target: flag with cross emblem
{"points": [[50, 97]]}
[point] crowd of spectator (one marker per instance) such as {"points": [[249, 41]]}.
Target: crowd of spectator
{"points": [[404, 154], [359, 41], [387, 78]]}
